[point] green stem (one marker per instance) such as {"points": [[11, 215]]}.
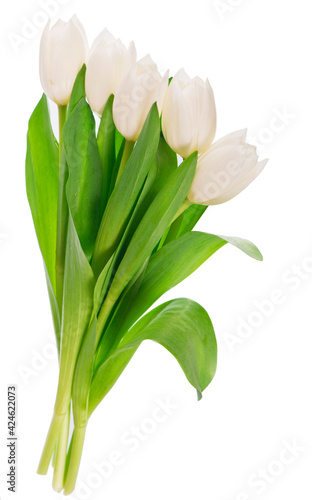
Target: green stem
{"points": [[103, 316], [50, 443], [74, 459], [186, 204], [125, 156], [62, 212], [60, 460]]}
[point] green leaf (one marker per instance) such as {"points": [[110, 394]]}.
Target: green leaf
{"points": [[85, 174], [77, 94], [166, 162], [55, 313], [169, 266], [78, 91], [106, 145], [83, 376], [119, 140], [77, 309], [154, 223], [185, 222], [42, 183], [108, 272], [183, 327], [126, 192]]}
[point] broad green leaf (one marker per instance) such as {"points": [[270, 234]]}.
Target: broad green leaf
{"points": [[183, 327], [126, 192], [185, 222], [154, 223], [42, 160], [169, 266], [77, 94], [85, 174], [106, 144], [77, 309]]}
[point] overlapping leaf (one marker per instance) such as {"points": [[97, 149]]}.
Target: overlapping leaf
{"points": [[183, 327], [126, 192]]}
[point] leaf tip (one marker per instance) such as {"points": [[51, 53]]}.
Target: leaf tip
{"points": [[199, 395]]}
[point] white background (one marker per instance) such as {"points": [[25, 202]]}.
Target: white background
{"points": [[257, 56]]}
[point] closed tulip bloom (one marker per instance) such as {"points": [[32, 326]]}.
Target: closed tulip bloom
{"points": [[63, 51], [189, 114], [227, 168], [140, 88], [108, 62]]}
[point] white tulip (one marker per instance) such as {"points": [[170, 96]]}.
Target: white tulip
{"points": [[189, 115], [139, 89], [224, 170], [108, 62], [63, 51]]}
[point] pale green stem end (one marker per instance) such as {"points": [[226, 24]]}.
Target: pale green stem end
{"points": [[74, 459]]}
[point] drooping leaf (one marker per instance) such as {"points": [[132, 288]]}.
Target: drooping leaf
{"points": [[42, 160], [166, 268], [126, 191], [183, 327], [85, 174]]}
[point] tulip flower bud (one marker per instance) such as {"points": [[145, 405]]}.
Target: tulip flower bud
{"points": [[108, 62], [63, 50], [224, 170], [189, 115], [139, 89]]}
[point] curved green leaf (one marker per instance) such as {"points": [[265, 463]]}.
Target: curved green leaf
{"points": [[183, 327], [166, 268]]}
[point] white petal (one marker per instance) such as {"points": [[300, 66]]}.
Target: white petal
{"points": [[220, 171], [64, 51], [206, 117], [177, 121], [235, 138]]}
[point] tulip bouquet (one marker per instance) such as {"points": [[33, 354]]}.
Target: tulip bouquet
{"points": [[114, 208]]}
